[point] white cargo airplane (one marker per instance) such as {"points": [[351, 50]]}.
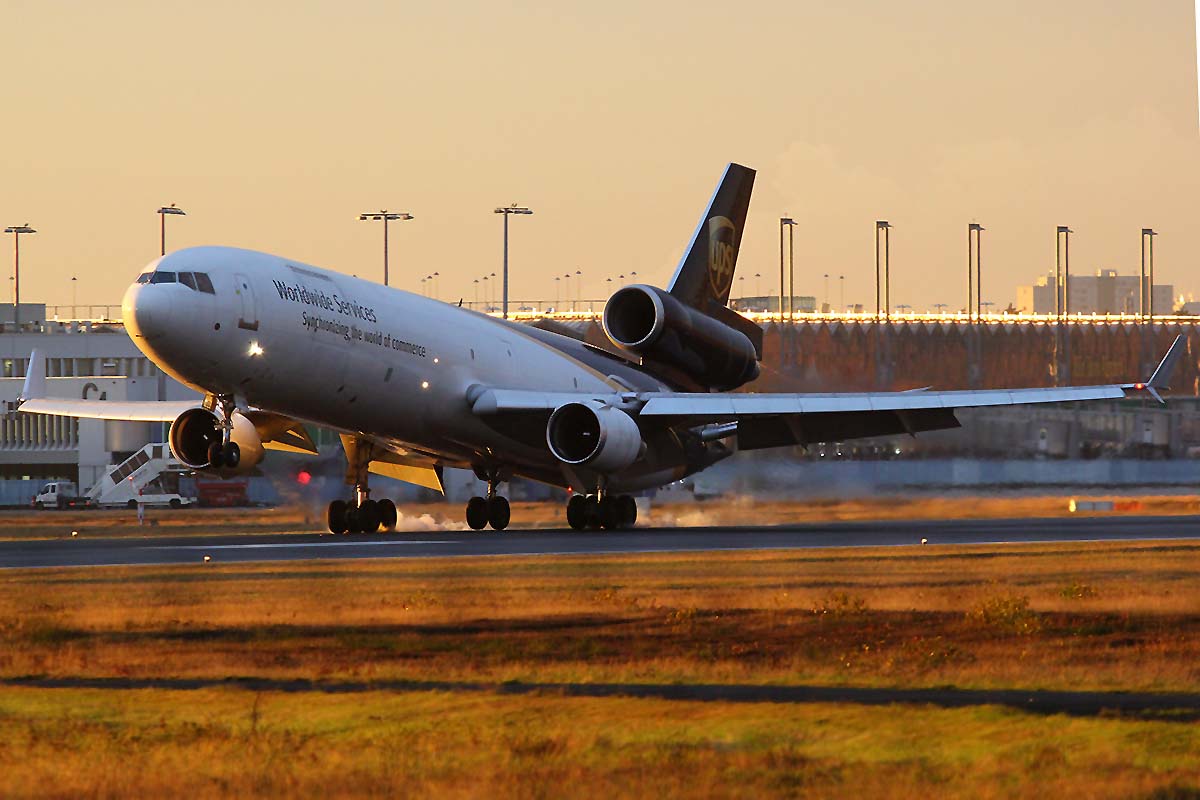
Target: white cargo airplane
{"points": [[414, 385]]}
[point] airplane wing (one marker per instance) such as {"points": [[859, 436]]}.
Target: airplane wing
{"points": [[774, 420], [33, 400], [277, 432]]}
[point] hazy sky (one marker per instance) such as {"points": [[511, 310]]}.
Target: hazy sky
{"points": [[274, 123]]}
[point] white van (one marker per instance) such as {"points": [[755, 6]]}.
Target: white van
{"points": [[60, 494]]}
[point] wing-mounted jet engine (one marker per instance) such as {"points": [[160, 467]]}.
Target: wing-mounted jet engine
{"points": [[593, 435], [195, 439], [653, 323]]}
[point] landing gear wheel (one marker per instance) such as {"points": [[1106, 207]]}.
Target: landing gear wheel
{"points": [[368, 517], [231, 454], [591, 511], [335, 517], [477, 513], [628, 508], [609, 514], [352, 522], [498, 512], [387, 514], [216, 455], [577, 512]]}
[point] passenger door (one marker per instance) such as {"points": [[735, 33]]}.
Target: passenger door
{"points": [[249, 311]]}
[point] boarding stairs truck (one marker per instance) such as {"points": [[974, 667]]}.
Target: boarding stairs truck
{"points": [[150, 477]]}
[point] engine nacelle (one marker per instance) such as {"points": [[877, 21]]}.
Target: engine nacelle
{"points": [[651, 322], [195, 429], [593, 435]]}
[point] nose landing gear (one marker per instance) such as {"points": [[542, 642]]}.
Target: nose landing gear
{"points": [[225, 453], [491, 510]]}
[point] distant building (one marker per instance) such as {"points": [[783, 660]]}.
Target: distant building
{"points": [[770, 304], [1106, 292]]}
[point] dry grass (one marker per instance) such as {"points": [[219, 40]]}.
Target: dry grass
{"points": [[229, 742], [529, 515], [1078, 617], [1109, 616]]}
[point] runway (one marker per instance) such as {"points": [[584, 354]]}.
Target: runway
{"points": [[227, 548]]}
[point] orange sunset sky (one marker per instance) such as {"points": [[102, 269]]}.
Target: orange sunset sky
{"points": [[274, 124]]}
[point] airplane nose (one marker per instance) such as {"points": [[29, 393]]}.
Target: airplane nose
{"points": [[146, 309]]}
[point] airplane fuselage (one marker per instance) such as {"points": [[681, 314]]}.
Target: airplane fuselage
{"points": [[364, 359]]}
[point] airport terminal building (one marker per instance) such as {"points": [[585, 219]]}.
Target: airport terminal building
{"points": [[83, 359]]}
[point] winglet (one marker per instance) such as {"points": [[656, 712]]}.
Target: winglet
{"points": [[35, 378], [1161, 378]]}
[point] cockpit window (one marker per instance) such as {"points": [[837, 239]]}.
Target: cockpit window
{"points": [[162, 277], [187, 280], [144, 277], [203, 284]]}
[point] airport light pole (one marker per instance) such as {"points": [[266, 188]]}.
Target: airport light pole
{"points": [[974, 268], [16, 231], [790, 224], [938, 307], [1062, 271], [1146, 292], [508, 211], [886, 227], [578, 287], [163, 213], [842, 292], [385, 217], [74, 312]]}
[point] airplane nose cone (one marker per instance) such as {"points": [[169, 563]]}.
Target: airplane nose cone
{"points": [[146, 309]]}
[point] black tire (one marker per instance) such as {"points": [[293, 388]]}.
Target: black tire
{"points": [[591, 511], [609, 514], [499, 513], [232, 455], [175, 502], [351, 518], [335, 517], [477, 513], [40, 505], [216, 456], [577, 516], [387, 514], [132, 504], [628, 508], [368, 517]]}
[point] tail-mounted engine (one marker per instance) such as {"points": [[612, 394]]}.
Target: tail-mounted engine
{"points": [[653, 323], [593, 435], [195, 431]]}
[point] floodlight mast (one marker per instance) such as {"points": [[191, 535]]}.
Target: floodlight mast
{"points": [[385, 216], [16, 231], [162, 225], [508, 211]]}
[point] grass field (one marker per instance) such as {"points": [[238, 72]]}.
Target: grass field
{"points": [[1076, 618]]}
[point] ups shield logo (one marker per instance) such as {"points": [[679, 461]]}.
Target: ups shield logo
{"points": [[721, 255]]}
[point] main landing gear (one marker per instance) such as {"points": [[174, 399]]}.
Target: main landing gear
{"points": [[361, 514], [491, 510], [367, 516], [601, 510]]}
